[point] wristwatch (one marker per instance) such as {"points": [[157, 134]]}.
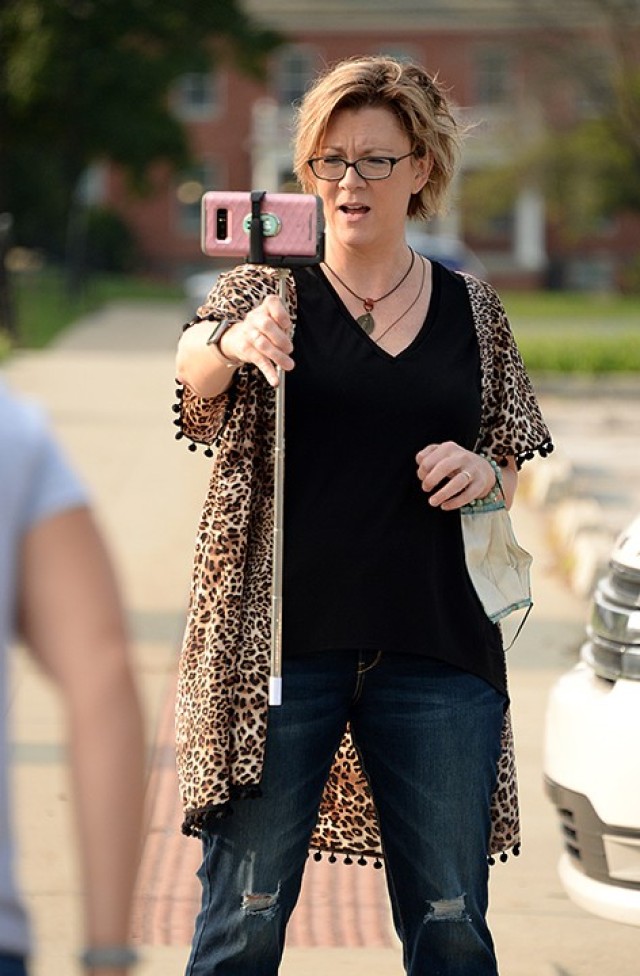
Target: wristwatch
{"points": [[219, 330]]}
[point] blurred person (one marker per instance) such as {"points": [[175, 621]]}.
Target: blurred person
{"points": [[406, 400], [59, 596]]}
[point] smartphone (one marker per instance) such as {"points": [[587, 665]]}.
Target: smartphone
{"points": [[292, 227]]}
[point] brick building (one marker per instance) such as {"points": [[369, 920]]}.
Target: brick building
{"points": [[485, 52]]}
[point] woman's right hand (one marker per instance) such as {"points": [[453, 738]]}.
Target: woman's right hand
{"points": [[262, 338]]}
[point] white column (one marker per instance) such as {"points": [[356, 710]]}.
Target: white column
{"points": [[529, 234], [264, 148]]}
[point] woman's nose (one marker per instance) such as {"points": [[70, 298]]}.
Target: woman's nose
{"points": [[352, 178]]}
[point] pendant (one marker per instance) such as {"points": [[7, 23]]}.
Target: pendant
{"points": [[366, 322]]}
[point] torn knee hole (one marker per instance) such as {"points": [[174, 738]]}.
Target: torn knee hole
{"points": [[447, 910], [258, 903]]}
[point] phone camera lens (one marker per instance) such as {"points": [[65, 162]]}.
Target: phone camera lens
{"points": [[222, 216]]}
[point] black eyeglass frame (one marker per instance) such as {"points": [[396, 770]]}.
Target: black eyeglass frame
{"points": [[392, 160]]}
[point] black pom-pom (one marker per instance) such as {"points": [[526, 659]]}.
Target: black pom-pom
{"points": [[193, 447], [504, 857], [332, 858], [179, 435], [491, 859], [377, 864], [208, 453], [317, 856], [348, 860], [176, 408], [516, 850]]}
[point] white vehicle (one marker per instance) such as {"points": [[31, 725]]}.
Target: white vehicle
{"points": [[592, 748]]}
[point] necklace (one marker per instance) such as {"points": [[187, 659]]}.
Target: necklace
{"points": [[366, 321], [407, 310]]}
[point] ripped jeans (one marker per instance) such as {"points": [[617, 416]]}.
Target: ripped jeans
{"points": [[429, 738]]}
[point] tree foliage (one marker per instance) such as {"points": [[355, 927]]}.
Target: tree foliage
{"points": [[83, 80], [588, 165]]}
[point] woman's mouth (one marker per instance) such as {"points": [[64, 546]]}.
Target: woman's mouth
{"points": [[354, 209]]}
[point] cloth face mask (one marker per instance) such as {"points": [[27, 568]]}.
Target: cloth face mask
{"points": [[497, 565]]}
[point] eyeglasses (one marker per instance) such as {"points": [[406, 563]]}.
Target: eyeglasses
{"points": [[334, 168]]}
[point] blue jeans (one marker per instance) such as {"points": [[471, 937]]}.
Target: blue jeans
{"points": [[12, 966], [429, 738]]}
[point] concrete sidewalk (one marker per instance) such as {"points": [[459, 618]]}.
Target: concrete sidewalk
{"points": [[108, 385]]}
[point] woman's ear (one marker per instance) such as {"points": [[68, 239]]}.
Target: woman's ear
{"points": [[422, 167]]}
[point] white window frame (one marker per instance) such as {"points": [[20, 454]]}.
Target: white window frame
{"points": [[197, 96], [493, 76], [290, 80]]}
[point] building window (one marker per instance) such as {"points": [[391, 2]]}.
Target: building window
{"points": [[401, 52], [196, 96], [295, 69], [190, 186], [493, 77], [594, 82]]}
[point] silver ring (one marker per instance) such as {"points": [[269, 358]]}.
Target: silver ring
{"points": [[468, 476]]}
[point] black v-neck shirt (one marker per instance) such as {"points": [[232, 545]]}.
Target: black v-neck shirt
{"points": [[368, 563]]}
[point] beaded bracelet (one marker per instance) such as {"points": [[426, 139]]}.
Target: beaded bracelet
{"points": [[109, 957], [495, 493]]}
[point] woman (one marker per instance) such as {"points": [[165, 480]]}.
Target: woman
{"points": [[404, 388]]}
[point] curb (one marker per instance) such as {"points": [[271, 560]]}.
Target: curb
{"points": [[577, 529]]}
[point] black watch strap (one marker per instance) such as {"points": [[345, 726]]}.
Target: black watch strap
{"points": [[219, 330]]}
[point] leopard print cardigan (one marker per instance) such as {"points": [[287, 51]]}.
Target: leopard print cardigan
{"points": [[222, 695]]}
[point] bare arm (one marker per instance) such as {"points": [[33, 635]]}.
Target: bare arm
{"points": [[72, 620], [261, 338]]}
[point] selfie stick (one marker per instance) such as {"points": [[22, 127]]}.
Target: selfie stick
{"points": [[257, 256], [275, 676]]}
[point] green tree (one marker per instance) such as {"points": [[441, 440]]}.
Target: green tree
{"points": [[84, 80], [589, 166]]}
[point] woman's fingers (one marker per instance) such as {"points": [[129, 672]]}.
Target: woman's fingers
{"points": [[262, 338], [453, 476]]}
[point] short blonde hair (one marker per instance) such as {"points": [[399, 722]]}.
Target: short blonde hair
{"points": [[417, 100]]}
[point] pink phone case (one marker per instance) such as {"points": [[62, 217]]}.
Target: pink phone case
{"points": [[292, 225]]}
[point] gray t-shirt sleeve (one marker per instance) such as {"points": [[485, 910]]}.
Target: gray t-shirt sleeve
{"points": [[52, 486]]}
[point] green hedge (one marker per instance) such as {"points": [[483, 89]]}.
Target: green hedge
{"points": [[570, 353], [576, 332]]}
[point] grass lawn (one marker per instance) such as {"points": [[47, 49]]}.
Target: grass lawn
{"points": [[576, 332], [44, 307], [572, 332]]}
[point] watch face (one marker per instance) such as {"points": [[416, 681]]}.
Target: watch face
{"points": [[219, 330]]}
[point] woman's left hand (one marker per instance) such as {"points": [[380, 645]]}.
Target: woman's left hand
{"points": [[459, 475]]}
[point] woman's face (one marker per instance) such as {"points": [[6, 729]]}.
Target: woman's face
{"points": [[368, 214]]}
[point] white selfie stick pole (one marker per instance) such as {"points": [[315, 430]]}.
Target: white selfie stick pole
{"points": [[275, 675]]}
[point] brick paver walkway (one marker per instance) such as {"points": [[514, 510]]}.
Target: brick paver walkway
{"points": [[340, 905]]}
